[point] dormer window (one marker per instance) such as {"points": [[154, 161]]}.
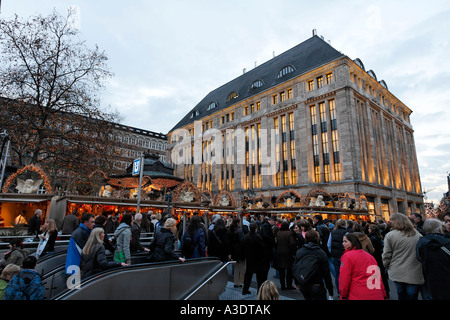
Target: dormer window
{"points": [[233, 95], [212, 105], [286, 70], [194, 113], [256, 84]]}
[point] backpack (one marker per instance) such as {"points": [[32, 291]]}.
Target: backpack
{"points": [[305, 268], [188, 245]]}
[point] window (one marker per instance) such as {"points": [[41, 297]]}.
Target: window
{"points": [[319, 82], [246, 111], [275, 99], [212, 105], [258, 106], [233, 95], [310, 85], [289, 93], [256, 84], [329, 77], [286, 70]]}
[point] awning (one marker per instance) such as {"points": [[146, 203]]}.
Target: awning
{"points": [[22, 200]]}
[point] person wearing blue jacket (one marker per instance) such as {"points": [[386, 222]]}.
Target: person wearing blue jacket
{"points": [[27, 284], [77, 241]]}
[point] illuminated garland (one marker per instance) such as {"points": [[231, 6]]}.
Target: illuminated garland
{"points": [[219, 195], [30, 167], [186, 185], [285, 192]]}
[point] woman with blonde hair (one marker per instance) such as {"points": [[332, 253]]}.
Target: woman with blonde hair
{"points": [[93, 258], [268, 291], [162, 245], [47, 238], [400, 259]]}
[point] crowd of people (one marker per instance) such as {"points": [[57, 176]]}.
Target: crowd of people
{"points": [[305, 252]]}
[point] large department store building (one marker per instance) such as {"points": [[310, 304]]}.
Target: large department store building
{"points": [[337, 127]]}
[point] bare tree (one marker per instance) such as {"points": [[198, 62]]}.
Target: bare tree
{"points": [[49, 81]]}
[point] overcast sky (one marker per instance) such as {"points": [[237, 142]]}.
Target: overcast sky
{"points": [[167, 55]]}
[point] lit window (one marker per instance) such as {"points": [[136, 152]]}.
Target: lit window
{"points": [[329, 77], [232, 95], [319, 82], [286, 70], [310, 85], [289, 94], [282, 96], [275, 99], [246, 111]]}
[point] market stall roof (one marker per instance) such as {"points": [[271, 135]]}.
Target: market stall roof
{"points": [[25, 197], [156, 172]]}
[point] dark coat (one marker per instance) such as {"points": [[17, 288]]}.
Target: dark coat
{"points": [[70, 223], [269, 240], [324, 233], [219, 244], [323, 273], [162, 246], [136, 238], [253, 250], [433, 251], [34, 225], [285, 249], [337, 236], [95, 262], [237, 244], [199, 241]]}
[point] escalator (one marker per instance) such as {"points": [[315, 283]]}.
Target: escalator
{"points": [[203, 278]]}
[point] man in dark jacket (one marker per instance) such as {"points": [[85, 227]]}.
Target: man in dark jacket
{"points": [[254, 257], [136, 244], [313, 288], [324, 232], [77, 241], [70, 223], [336, 248], [34, 225], [433, 251], [268, 237]]}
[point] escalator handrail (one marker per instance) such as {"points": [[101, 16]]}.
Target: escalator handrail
{"points": [[98, 276], [225, 265]]}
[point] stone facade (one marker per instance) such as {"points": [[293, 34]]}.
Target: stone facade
{"points": [[340, 130]]}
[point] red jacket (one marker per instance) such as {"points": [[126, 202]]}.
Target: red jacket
{"points": [[359, 277]]}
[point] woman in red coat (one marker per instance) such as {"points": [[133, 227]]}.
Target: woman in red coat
{"points": [[359, 275]]}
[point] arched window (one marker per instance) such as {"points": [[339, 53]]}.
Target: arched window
{"points": [[232, 95], [285, 70], [256, 84]]}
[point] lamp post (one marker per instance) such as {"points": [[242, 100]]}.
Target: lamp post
{"points": [[168, 198], [7, 141]]}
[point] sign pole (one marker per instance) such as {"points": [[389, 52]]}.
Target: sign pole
{"points": [[141, 172]]}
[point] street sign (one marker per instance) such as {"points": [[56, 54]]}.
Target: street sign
{"points": [[136, 167]]}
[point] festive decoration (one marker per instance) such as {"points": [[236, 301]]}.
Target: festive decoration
{"points": [[33, 168], [220, 200], [291, 194], [186, 186]]}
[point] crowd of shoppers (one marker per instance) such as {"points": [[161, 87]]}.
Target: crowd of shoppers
{"points": [[362, 256]]}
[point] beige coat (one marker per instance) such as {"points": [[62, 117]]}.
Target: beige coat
{"points": [[399, 258]]}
